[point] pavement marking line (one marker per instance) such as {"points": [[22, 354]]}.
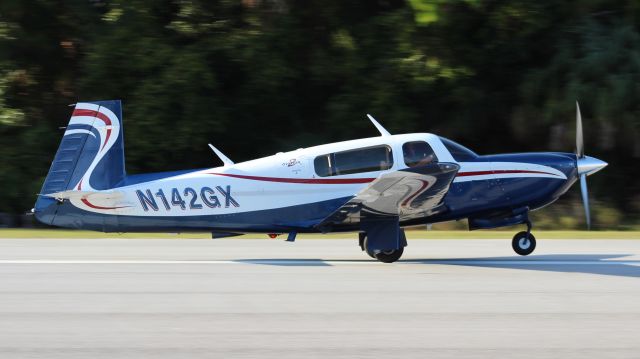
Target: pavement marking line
{"points": [[101, 261], [195, 261], [314, 261]]}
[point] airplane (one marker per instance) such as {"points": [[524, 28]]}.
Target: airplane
{"points": [[374, 186]]}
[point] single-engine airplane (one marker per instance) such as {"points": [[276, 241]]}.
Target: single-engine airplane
{"points": [[376, 186]]}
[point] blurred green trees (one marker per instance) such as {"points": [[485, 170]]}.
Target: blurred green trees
{"points": [[259, 76]]}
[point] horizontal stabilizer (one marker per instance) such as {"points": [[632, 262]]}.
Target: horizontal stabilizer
{"points": [[115, 201], [93, 195]]}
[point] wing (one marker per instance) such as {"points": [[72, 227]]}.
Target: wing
{"points": [[407, 194]]}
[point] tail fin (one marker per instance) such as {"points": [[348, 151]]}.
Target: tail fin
{"points": [[91, 154]]}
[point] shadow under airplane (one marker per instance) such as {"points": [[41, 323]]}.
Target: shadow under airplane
{"points": [[602, 264]]}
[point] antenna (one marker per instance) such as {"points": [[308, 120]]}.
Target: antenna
{"points": [[382, 130], [223, 158]]}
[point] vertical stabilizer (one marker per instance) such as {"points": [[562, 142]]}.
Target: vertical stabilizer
{"points": [[90, 156]]}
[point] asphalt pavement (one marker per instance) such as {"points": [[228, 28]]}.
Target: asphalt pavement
{"points": [[241, 298]]}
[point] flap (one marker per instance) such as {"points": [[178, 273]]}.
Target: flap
{"points": [[407, 194]]}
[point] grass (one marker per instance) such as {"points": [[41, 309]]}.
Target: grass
{"points": [[412, 234]]}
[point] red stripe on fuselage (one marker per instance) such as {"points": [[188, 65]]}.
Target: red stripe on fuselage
{"points": [[299, 180], [363, 180], [500, 172], [85, 201]]}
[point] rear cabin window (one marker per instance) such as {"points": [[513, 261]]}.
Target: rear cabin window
{"points": [[368, 159], [458, 151], [418, 153]]}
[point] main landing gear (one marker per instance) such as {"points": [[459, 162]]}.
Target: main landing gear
{"points": [[388, 256], [524, 243]]}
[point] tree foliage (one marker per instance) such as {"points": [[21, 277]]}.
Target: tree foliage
{"points": [[260, 76]]}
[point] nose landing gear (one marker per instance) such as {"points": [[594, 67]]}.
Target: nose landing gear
{"points": [[524, 243]]}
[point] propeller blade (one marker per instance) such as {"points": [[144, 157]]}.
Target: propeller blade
{"points": [[585, 199], [579, 139]]}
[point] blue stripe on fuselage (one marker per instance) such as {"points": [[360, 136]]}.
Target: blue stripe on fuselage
{"points": [[300, 217], [474, 197]]}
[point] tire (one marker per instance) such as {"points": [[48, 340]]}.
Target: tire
{"points": [[523, 243], [384, 256], [390, 256]]}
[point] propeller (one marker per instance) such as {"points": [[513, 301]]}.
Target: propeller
{"points": [[586, 166], [579, 138], [585, 199], [583, 177]]}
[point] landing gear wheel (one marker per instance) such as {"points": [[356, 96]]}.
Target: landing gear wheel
{"points": [[523, 243], [389, 256]]}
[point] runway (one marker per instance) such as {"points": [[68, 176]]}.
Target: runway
{"points": [[239, 298]]}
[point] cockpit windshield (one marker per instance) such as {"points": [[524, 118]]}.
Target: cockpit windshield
{"points": [[458, 151]]}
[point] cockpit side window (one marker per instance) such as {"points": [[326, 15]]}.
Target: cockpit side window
{"points": [[418, 153], [378, 158]]}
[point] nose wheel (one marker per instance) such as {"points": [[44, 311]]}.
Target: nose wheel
{"points": [[524, 243]]}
